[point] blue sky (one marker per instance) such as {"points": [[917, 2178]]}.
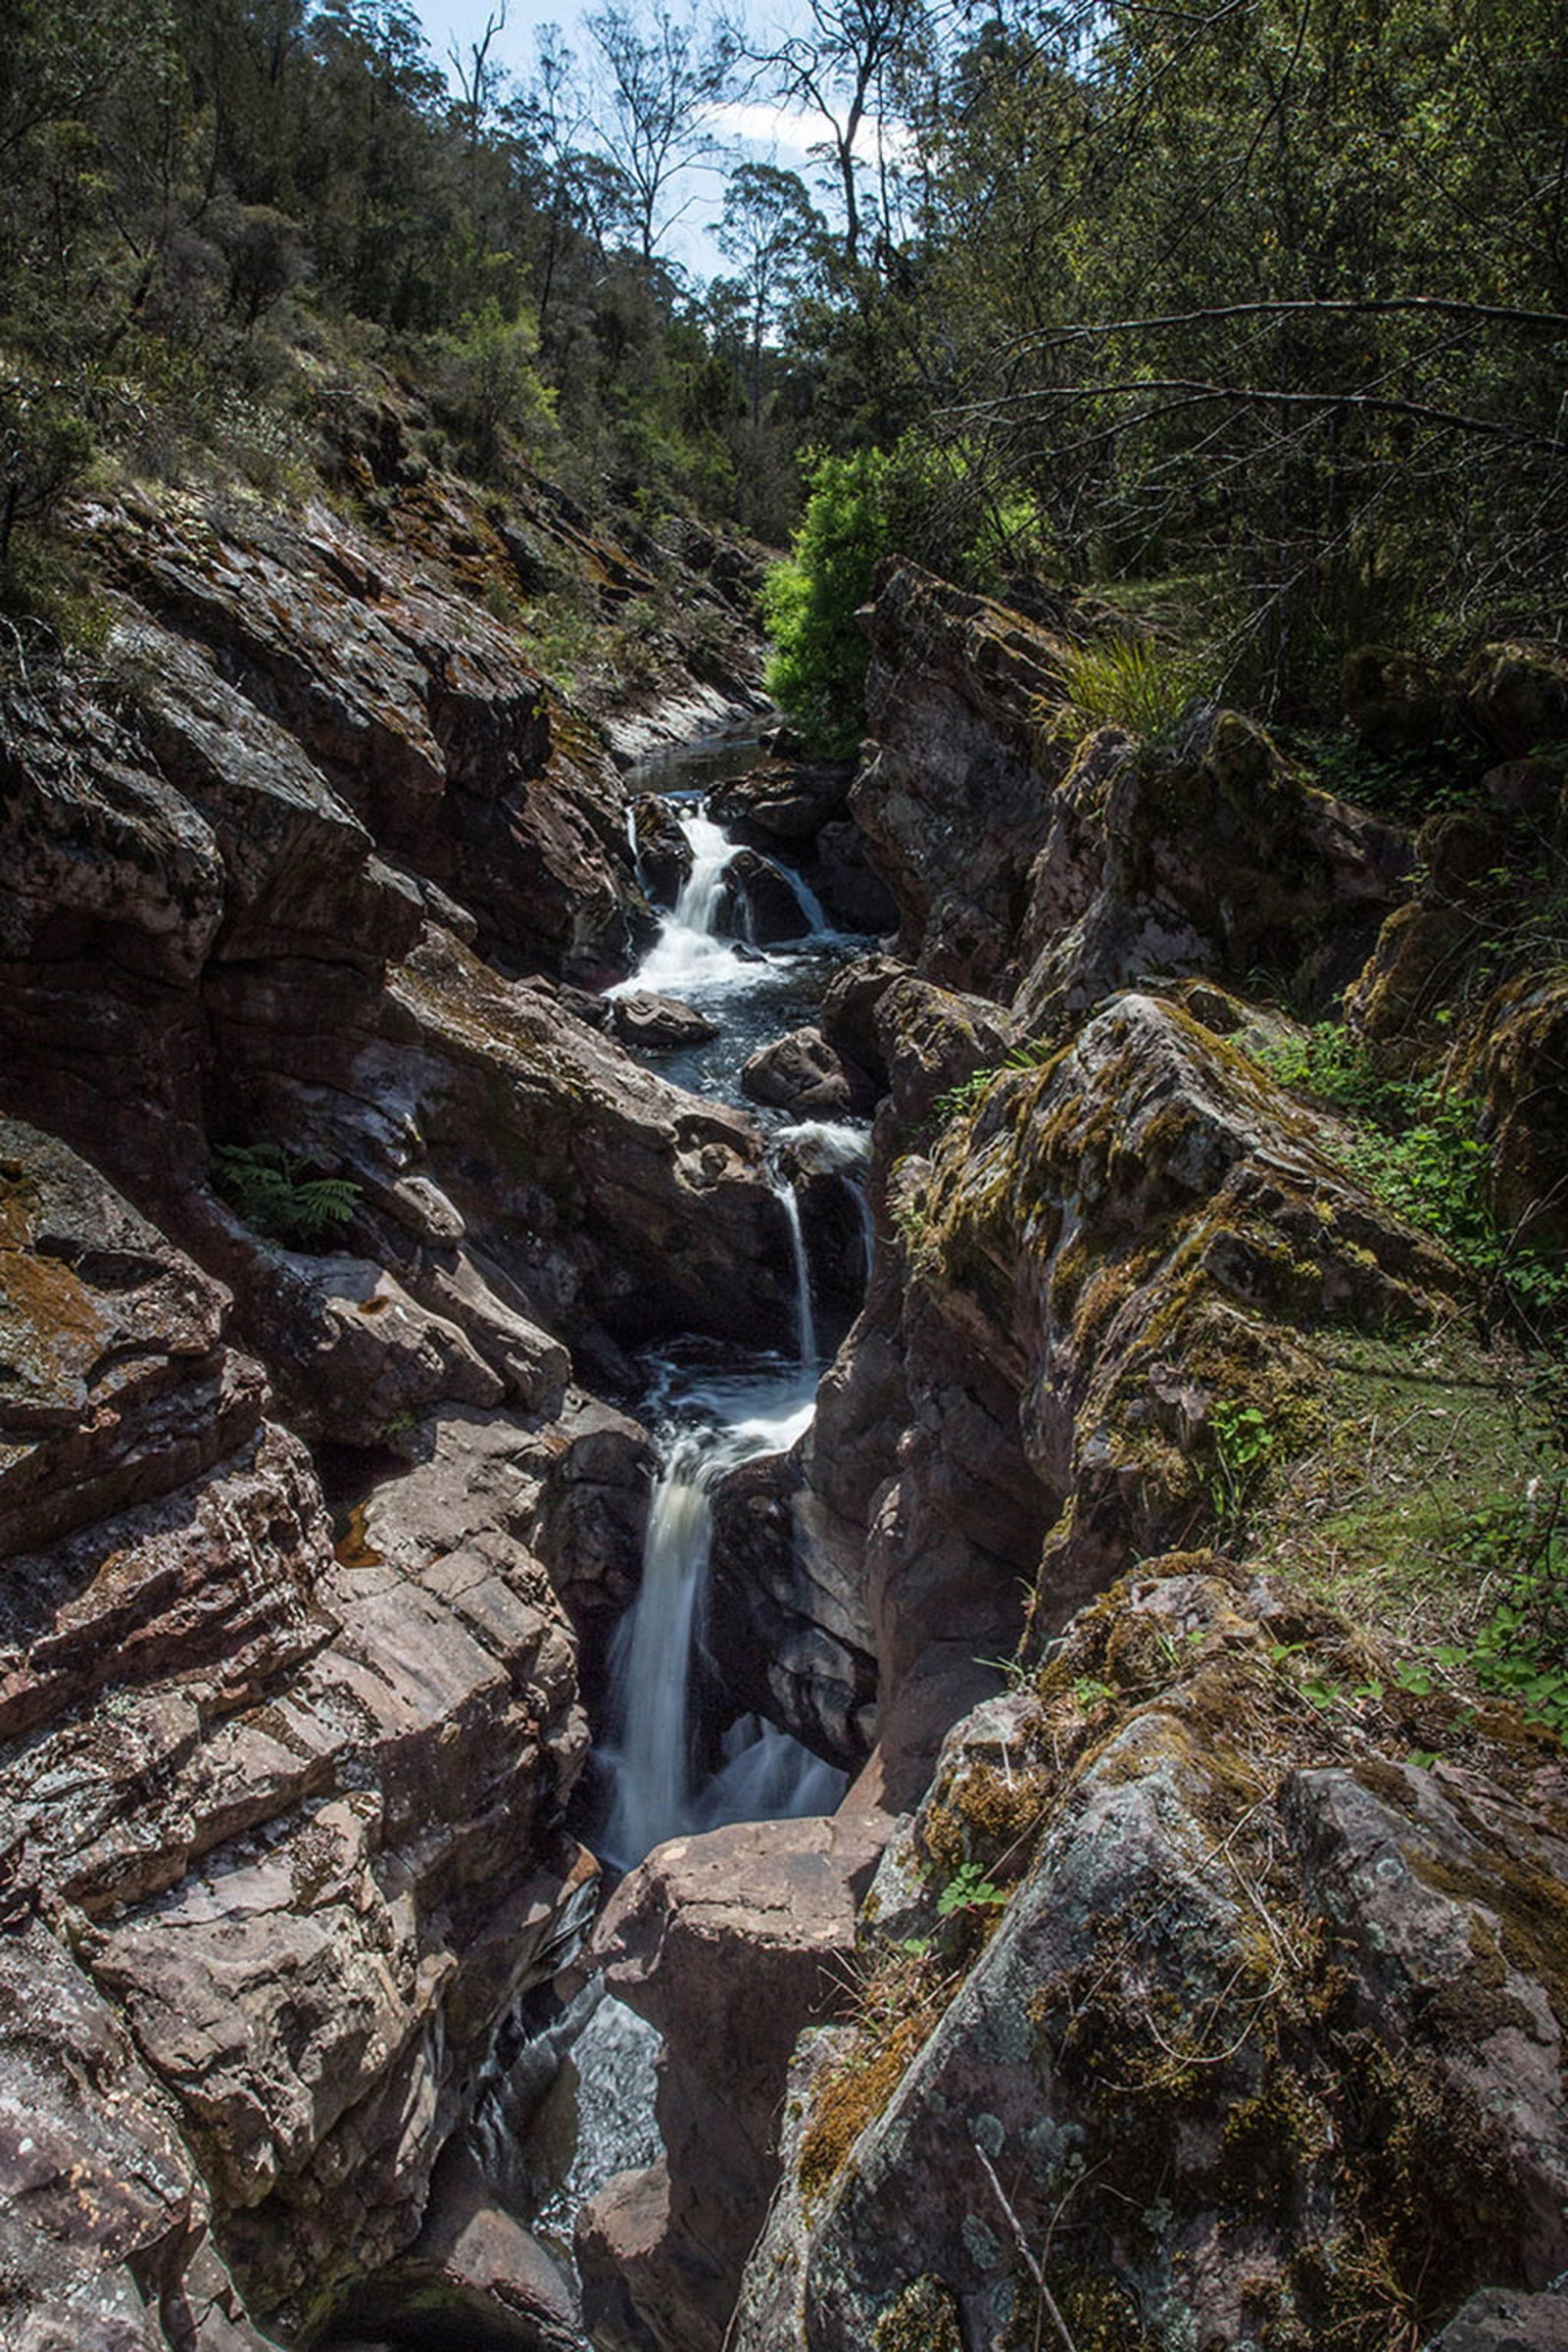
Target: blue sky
{"points": [[761, 134]]}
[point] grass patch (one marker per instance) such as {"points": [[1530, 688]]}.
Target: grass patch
{"points": [[1131, 683], [1430, 1448]]}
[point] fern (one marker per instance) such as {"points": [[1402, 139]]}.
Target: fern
{"points": [[269, 1193]]}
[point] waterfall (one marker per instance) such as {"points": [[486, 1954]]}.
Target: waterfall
{"points": [[703, 887], [805, 1319], [650, 1661], [811, 906], [688, 955], [835, 1147], [649, 1748]]}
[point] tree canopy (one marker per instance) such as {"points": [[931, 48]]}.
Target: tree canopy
{"points": [[1257, 308]]}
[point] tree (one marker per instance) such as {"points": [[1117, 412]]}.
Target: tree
{"points": [[846, 66], [659, 83], [770, 230]]}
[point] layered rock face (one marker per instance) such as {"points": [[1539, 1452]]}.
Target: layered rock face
{"points": [[284, 1837], [292, 1814]]}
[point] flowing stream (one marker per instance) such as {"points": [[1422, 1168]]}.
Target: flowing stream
{"points": [[706, 1418], [706, 1425]]}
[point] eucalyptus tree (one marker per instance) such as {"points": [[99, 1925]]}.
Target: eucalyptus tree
{"points": [[771, 232], [660, 79]]}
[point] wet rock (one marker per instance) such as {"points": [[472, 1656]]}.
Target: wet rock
{"points": [[664, 852], [783, 800], [796, 1651], [655, 1025], [473, 2274], [841, 874], [762, 904], [801, 1073], [591, 1522]]}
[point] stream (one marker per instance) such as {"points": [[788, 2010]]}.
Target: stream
{"points": [[653, 1775]]}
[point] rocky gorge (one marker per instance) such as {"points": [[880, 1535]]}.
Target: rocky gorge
{"points": [[1185, 1964]]}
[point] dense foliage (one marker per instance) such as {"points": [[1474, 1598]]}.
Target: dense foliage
{"points": [[1256, 314]]}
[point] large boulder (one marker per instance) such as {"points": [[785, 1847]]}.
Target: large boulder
{"points": [[1209, 857], [955, 799], [1098, 1251], [798, 1072], [1194, 2015], [730, 1944]]}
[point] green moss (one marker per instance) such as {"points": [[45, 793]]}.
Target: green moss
{"points": [[985, 1816], [1099, 2315], [850, 2093], [922, 2318]]}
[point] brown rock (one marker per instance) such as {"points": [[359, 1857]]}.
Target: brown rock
{"points": [[729, 1945], [104, 2218], [1388, 2074], [801, 1073], [1209, 858], [955, 798], [933, 1039], [655, 1025], [305, 1809], [1517, 693], [787, 801]]}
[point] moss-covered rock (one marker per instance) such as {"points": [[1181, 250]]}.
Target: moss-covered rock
{"points": [[1265, 2047]]}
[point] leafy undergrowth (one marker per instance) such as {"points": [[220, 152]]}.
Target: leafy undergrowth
{"points": [[1431, 1509]]}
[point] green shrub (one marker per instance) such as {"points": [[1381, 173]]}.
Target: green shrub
{"points": [[491, 387], [275, 1198], [1131, 683], [818, 672]]}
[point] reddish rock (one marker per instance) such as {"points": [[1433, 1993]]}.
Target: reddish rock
{"points": [[729, 1943]]}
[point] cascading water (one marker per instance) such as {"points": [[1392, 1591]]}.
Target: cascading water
{"points": [[649, 1748], [705, 1425], [833, 1147], [804, 1318]]}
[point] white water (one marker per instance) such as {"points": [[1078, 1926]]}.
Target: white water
{"points": [[658, 1788], [805, 1319], [836, 1147], [648, 1750], [705, 1426], [687, 958]]}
